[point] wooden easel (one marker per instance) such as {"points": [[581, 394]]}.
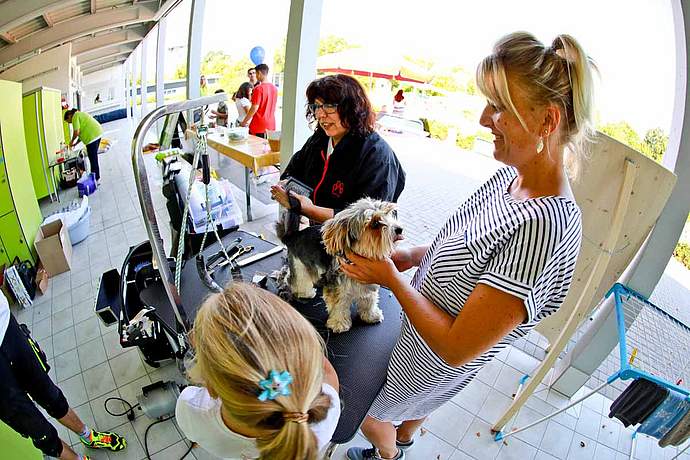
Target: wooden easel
{"points": [[621, 194]]}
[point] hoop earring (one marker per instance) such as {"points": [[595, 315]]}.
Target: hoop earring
{"points": [[540, 144]]}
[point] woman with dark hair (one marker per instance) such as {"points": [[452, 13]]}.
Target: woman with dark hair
{"points": [[243, 100], [345, 159]]}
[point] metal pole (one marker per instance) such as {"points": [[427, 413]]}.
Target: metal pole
{"points": [[146, 202]]}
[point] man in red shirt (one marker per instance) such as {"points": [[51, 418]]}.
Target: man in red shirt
{"points": [[264, 101]]}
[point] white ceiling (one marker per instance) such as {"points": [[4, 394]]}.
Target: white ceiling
{"points": [[103, 33]]}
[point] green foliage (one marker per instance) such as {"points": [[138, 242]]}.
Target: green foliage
{"points": [[437, 129], [653, 145], [333, 44], [215, 63], [455, 80], [279, 58], [327, 45], [231, 73], [682, 253], [623, 132], [447, 82], [471, 88], [180, 72], [465, 142]]}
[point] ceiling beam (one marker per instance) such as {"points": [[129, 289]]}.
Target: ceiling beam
{"points": [[114, 38], [85, 59], [165, 7], [102, 67], [48, 19], [14, 13], [78, 27], [111, 57], [7, 37], [88, 68]]}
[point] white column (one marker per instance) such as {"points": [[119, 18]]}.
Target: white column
{"points": [[126, 88], [132, 79], [135, 76], [648, 266], [160, 61], [300, 69], [144, 86], [196, 22]]}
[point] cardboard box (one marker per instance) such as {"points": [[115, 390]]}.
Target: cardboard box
{"points": [[54, 247], [41, 279]]}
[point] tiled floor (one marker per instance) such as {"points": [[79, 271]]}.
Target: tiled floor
{"points": [[90, 366]]}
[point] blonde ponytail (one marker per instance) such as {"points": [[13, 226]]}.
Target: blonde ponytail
{"points": [[560, 74], [240, 335]]}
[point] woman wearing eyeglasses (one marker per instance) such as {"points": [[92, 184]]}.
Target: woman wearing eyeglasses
{"points": [[345, 159]]}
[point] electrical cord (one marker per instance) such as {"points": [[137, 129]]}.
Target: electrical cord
{"points": [[129, 412], [131, 416]]}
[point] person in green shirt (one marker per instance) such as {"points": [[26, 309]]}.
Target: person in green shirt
{"points": [[87, 130]]}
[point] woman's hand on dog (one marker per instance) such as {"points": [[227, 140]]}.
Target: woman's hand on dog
{"points": [[279, 194], [369, 271]]}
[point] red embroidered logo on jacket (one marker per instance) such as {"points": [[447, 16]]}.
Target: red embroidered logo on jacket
{"points": [[338, 189]]}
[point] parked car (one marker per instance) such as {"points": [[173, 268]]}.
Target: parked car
{"points": [[387, 123]]}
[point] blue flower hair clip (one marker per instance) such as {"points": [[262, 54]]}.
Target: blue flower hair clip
{"points": [[277, 384]]}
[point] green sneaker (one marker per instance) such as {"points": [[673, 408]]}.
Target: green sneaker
{"points": [[105, 440]]}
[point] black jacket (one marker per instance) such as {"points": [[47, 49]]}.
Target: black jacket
{"points": [[358, 167]]}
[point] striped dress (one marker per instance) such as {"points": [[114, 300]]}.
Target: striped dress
{"points": [[526, 248]]}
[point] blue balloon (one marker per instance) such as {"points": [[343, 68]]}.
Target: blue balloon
{"points": [[257, 55]]}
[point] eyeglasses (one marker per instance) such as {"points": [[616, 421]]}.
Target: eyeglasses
{"points": [[327, 108]]}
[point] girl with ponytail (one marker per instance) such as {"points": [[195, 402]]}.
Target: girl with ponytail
{"points": [[266, 389]]}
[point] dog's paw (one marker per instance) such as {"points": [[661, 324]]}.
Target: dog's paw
{"points": [[339, 324], [374, 315]]}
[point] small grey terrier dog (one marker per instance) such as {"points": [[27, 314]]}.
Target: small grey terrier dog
{"points": [[368, 228]]}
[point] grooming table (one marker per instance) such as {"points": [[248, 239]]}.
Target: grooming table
{"points": [[359, 356]]}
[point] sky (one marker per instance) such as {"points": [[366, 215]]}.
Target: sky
{"points": [[632, 41]]}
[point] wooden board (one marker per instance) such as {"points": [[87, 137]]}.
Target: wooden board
{"points": [[596, 192]]}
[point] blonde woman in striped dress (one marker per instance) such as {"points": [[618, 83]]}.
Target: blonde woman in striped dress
{"points": [[504, 260]]}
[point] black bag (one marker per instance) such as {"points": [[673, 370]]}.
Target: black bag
{"points": [[27, 272]]}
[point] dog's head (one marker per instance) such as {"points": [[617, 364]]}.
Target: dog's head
{"points": [[367, 227]]}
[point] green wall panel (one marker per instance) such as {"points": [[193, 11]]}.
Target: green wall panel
{"points": [[16, 163], [13, 238], [44, 133], [14, 447], [6, 204], [34, 143]]}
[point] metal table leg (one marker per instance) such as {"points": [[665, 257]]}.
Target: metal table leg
{"points": [[56, 185], [247, 191]]}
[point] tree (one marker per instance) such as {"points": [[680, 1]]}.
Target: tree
{"points": [[180, 72], [624, 133], [215, 63], [327, 45], [333, 44], [235, 74], [654, 144], [446, 82], [279, 57]]}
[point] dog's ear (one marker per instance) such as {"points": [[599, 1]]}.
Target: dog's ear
{"points": [[388, 207], [336, 237]]}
